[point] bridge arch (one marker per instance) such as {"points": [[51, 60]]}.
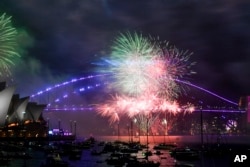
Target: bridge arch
{"points": [[90, 87]]}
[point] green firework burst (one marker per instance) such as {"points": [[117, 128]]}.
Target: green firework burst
{"points": [[8, 45], [128, 44], [132, 54]]}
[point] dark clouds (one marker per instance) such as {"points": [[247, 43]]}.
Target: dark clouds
{"points": [[69, 35]]}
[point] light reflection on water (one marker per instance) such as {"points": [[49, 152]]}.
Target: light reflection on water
{"points": [[87, 160]]}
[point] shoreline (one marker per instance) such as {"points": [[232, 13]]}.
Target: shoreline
{"points": [[187, 139]]}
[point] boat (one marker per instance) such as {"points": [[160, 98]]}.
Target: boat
{"points": [[147, 153], [75, 154], [115, 160], [183, 164], [143, 164], [119, 158], [157, 152], [185, 153], [4, 159], [165, 146], [19, 155], [94, 152], [54, 160]]}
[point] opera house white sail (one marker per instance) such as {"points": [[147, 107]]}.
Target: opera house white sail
{"points": [[28, 116], [20, 118], [18, 114], [5, 98], [35, 110], [14, 109], [22, 109]]}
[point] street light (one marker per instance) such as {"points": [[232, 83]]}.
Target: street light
{"points": [[135, 121], [75, 128], [118, 131], [202, 143], [59, 124], [128, 133], [48, 123], [132, 133], [71, 128], [147, 136], [164, 122]]}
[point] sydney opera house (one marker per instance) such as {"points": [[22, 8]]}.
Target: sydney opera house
{"points": [[20, 118]]}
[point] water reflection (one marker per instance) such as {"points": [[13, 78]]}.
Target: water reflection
{"points": [[180, 153]]}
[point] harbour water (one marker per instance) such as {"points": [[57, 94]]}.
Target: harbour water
{"points": [[38, 157], [87, 160]]}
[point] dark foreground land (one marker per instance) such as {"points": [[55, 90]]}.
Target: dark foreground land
{"points": [[106, 151]]}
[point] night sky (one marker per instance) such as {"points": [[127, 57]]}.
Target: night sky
{"points": [[61, 38]]}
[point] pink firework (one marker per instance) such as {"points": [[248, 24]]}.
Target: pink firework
{"points": [[145, 73], [107, 110], [133, 106]]}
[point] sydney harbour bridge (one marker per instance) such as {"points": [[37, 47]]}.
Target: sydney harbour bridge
{"points": [[66, 95], [80, 95]]}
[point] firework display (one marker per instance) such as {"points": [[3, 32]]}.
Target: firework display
{"points": [[133, 56], [7, 45], [133, 106], [145, 73], [141, 65]]}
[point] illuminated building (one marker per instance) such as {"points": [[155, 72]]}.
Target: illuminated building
{"points": [[19, 117]]}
